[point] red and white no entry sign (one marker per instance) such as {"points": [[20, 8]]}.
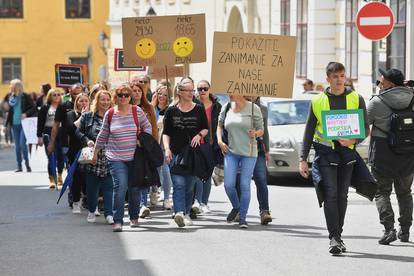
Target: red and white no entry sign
{"points": [[375, 21]]}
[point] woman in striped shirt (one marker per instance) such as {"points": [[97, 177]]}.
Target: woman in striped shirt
{"points": [[119, 138]]}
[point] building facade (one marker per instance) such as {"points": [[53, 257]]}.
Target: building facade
{"points": [[35, 35], [325, 32]]}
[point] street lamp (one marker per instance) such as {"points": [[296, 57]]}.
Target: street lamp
{"points": [[104, 41]]}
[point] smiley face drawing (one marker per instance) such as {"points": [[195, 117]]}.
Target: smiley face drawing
{"points": [[183, 46], [145, 48]]}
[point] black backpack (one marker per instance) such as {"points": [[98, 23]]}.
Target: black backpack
{"points": [[401, 134]]}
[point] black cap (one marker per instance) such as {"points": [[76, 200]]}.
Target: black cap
{"points": [[393, 75]]}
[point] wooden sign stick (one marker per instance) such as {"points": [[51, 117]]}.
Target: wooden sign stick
{"points": [[251, 127]]}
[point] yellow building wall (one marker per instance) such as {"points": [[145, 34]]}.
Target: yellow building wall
{"points": [[45, 37]]}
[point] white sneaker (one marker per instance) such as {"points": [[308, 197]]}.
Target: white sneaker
{"points": [[179, 219], [97, 212], [153, 198], [205, 209], [196, 207], [188, 221], [109, 219], [144, 212], [167, 204], [76, 207], [91, 217]]}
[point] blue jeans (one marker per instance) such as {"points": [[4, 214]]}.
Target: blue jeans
{"points": [[183, 188], [232, 163], [165, 178], [202, 190], [260, 179], [143, 197], [120, 172], [57, 150], [93, 184], [20, 145]]}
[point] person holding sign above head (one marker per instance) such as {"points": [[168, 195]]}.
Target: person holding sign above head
{"points": [[336, 161], [392, 152], [185, 126], [239, 148]]}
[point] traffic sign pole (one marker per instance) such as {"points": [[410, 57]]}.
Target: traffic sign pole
{"points": [[375, 21]]}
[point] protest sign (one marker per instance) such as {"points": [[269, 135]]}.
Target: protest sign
{"points": [[119, 63], [29, 126], [116, 78], [69, 74], [172, 72], [164, 40], [253, 64], [343, 124]]}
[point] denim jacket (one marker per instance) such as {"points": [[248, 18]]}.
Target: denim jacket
{"points": [[89, 128]]}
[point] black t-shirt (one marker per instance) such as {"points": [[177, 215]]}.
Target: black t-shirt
{"points": [[61, 117], [62, 111], [183, 126]]}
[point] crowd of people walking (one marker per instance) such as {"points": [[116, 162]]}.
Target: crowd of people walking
{"points": [[128, 143]]}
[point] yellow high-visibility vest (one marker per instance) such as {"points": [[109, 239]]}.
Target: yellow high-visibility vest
{"points": [[321, 103]]}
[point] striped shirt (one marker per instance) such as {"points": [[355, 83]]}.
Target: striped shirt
{"points": [[120, 138]]}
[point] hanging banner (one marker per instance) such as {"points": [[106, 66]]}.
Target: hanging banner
{"points": [[253, 64], [164, 40]]}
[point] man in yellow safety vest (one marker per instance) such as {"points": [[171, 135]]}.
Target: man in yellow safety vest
{"points": [[335, 158]]}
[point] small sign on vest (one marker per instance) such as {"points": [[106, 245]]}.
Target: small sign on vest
{"points": [[343, 124]]}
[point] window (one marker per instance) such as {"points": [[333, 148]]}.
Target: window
{"points": [[285, 17], [11, 8], [397, 39], [351, 39], [302, 39], [78, 9], [11, 69]]}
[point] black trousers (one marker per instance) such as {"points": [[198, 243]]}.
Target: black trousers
{"points": [[78, 184], [335, 184], [402, 186]]}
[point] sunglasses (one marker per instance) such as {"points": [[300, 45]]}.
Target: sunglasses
{"points": [[378, 82], [144, 82], [123, 95], [183, 90], [201, 89]]}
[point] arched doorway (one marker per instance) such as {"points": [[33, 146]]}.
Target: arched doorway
{"points": [[235, 24]]}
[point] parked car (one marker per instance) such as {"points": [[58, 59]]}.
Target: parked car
{"points": [[286, 124]]}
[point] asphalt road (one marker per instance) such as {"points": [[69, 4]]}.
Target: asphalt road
{"points": [[38, 237]]}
